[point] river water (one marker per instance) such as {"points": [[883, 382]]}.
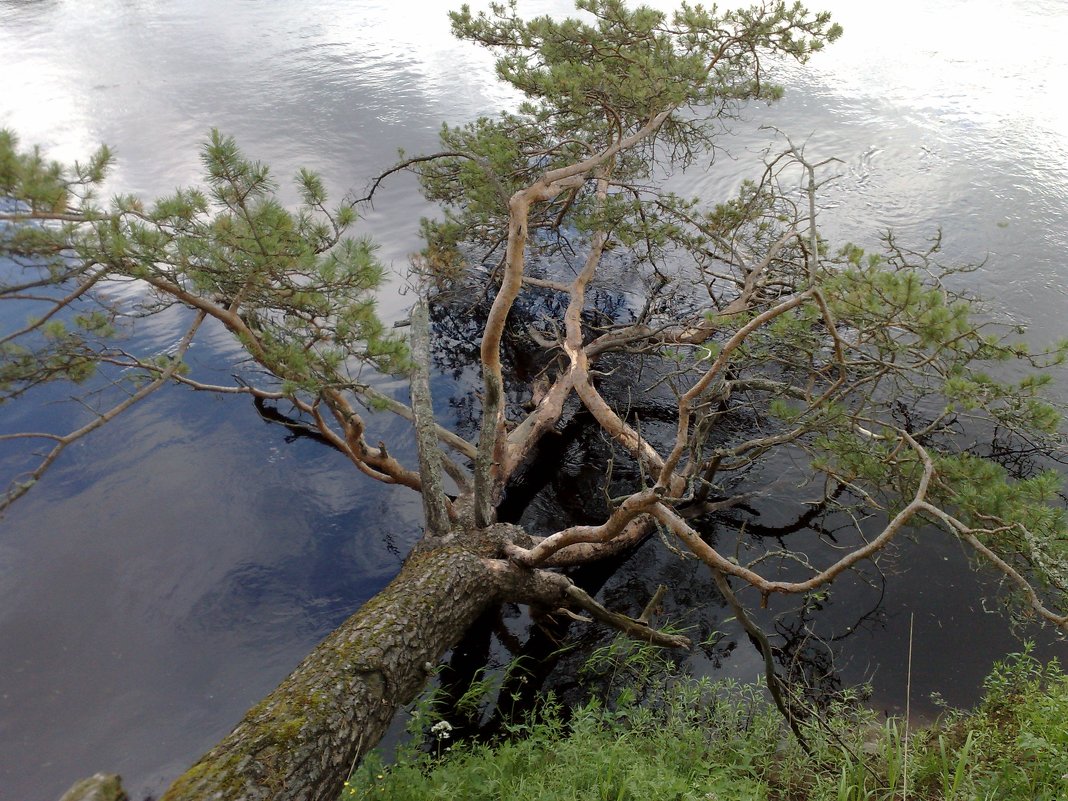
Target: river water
{"points": [[171, 569]]}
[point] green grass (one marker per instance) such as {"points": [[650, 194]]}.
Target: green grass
{"points": [[703, 741]]}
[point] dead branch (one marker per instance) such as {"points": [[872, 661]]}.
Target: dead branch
{"points": [[435, 504]]}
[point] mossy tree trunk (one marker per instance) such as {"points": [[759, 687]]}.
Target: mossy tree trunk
{"points": [[301, 741]]}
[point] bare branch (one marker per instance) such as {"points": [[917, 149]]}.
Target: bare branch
{"points": [[435, 504], [968, 533], [632, 507], [715, 560], [666, 472], [411, 162], [556, 590], [22, 486]]}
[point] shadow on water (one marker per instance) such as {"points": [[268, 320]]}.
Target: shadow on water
{"points": [[856, 633]]}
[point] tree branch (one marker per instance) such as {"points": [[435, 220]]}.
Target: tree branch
{"points": [[23, 486], [435, 504], [553, 590]]}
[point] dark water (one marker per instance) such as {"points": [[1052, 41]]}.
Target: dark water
{"points": [[171, 569]]}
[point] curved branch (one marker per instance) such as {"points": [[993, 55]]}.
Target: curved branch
{"points": [[556, 590], [775, 684], [682, 435], [711, 557], [634, 506], [403, 165], [967, 534], [491, 438], [375, 462]]}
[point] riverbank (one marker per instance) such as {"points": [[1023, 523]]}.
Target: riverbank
{"points": [[705, 740]]}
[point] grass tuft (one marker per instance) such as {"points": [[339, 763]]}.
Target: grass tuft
{"points": [[697, 740]]}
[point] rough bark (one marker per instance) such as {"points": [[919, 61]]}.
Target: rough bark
{"points": [[435, 504], [301, 741]]}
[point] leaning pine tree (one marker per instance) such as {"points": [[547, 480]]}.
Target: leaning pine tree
{"points": [[865, 366]]}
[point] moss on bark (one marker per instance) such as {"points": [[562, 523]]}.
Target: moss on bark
{"points": [[300, 742]]}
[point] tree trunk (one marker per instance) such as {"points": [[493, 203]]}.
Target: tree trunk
{"points": [[302, 740]]}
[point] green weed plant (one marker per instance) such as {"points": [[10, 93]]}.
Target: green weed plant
{"points": [[654, 734]]}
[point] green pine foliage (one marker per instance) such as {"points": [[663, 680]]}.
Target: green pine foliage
{"points": [[589, 84], [45, 202], [295, 288], [303, 288]]}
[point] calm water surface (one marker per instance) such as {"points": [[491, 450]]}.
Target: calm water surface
{"points": [[169, 571]]}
